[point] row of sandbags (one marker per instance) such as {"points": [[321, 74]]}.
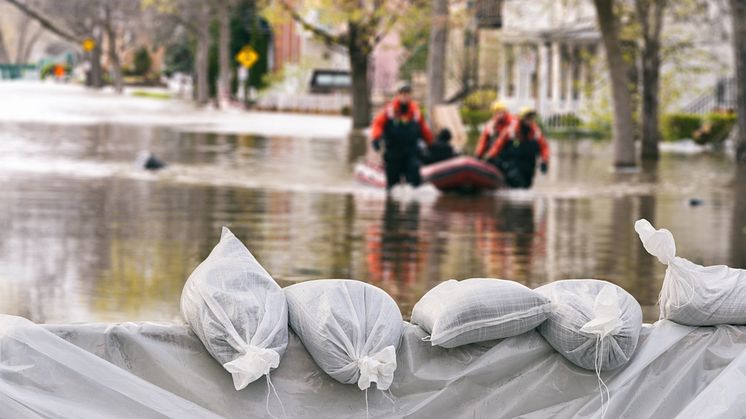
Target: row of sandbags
{"points": [[352, 329]]}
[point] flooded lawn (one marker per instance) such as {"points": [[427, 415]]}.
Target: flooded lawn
{"points": [[87, 236]]}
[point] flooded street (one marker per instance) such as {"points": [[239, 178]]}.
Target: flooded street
{"points": [[87, 236]]}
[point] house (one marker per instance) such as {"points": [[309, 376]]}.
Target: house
{"points": [[549, 55]]}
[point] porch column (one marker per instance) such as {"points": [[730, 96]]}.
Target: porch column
{"points": [[556, 74], [569, 76], [543, 76]]}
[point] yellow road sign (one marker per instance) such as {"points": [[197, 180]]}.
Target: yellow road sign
{"points": [[247, 56], [88, 44]]}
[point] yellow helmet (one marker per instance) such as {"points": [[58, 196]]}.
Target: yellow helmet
{"points": [[498, 106], [526, 111]]}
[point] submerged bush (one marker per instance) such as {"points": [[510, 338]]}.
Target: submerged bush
{"points": [[475, 109], [677, 126], [716, 128]]}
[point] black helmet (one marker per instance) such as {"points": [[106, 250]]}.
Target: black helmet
{"points": [[404, 88]]}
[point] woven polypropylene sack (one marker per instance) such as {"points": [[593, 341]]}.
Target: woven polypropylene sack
{"points": [[692, 294], [457, 313], [350, 328], [237, 310], [594, 324]]}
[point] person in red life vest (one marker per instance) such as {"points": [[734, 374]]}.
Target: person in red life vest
{"points": [[500, 121], [516, 150], [400, 128]]}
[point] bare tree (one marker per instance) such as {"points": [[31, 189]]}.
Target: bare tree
{"points": [[24, 27], [436, 56], [116, 19], [738, 13], [624, 146], [360, 25], [194, 16], [57, 29], [71, 20]]}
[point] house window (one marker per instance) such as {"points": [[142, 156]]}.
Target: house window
{"points": [[489, 14]]}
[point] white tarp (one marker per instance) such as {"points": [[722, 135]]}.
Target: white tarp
{"points": [[162, 370]]}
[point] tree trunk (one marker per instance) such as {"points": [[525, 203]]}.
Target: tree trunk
{"points": [[97, 81], [23, 28], [624, 146], [3, 52], [201, 66], [224, 81], [116, 66], [738, 226], [650, 15], [114, 63], [359, 54], [26, 55], [436, 55], [738, 11]]}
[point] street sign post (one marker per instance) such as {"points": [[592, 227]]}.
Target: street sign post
{"points": [[88, 44], [247, 57]]}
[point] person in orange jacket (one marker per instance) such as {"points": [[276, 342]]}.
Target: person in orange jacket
{"points": [[516, 150], [500, 121], [403, 132]]}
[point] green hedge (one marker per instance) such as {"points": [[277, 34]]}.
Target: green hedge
{"points": [[677, 126], [475, 117], [48, 70], [475, 109], [716, 127]]}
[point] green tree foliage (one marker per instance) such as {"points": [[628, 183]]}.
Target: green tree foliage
{"points": [[246, 28], [142, 62], [179, 57]]}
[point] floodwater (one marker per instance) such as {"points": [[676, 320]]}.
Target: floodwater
{"points": [[87, 236]]}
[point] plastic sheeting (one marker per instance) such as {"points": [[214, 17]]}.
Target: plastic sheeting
{"points": [[162, 370]]}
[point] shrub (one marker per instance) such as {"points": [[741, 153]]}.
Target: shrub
{"points": [[480, 99], [566, 120], [716, 127], [677, 126], [475, 109], [142, 62], [474, 117], [48, 70]]}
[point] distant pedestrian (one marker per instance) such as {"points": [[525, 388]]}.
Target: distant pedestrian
{"points": [[59, 72]]}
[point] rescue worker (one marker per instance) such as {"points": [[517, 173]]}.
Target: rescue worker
{"points": [[500, 121], [442, 149], [400, 128], [516, 150]]}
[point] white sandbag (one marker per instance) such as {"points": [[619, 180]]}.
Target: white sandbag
{"points": [[350, 328], [594, 324], [237, 310], [456, 313], [692, 294]]}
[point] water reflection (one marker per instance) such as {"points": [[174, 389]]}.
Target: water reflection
{"points": [[117, 244]]}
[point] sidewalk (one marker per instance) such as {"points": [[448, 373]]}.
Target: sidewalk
{"points": [[42, 102]]}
